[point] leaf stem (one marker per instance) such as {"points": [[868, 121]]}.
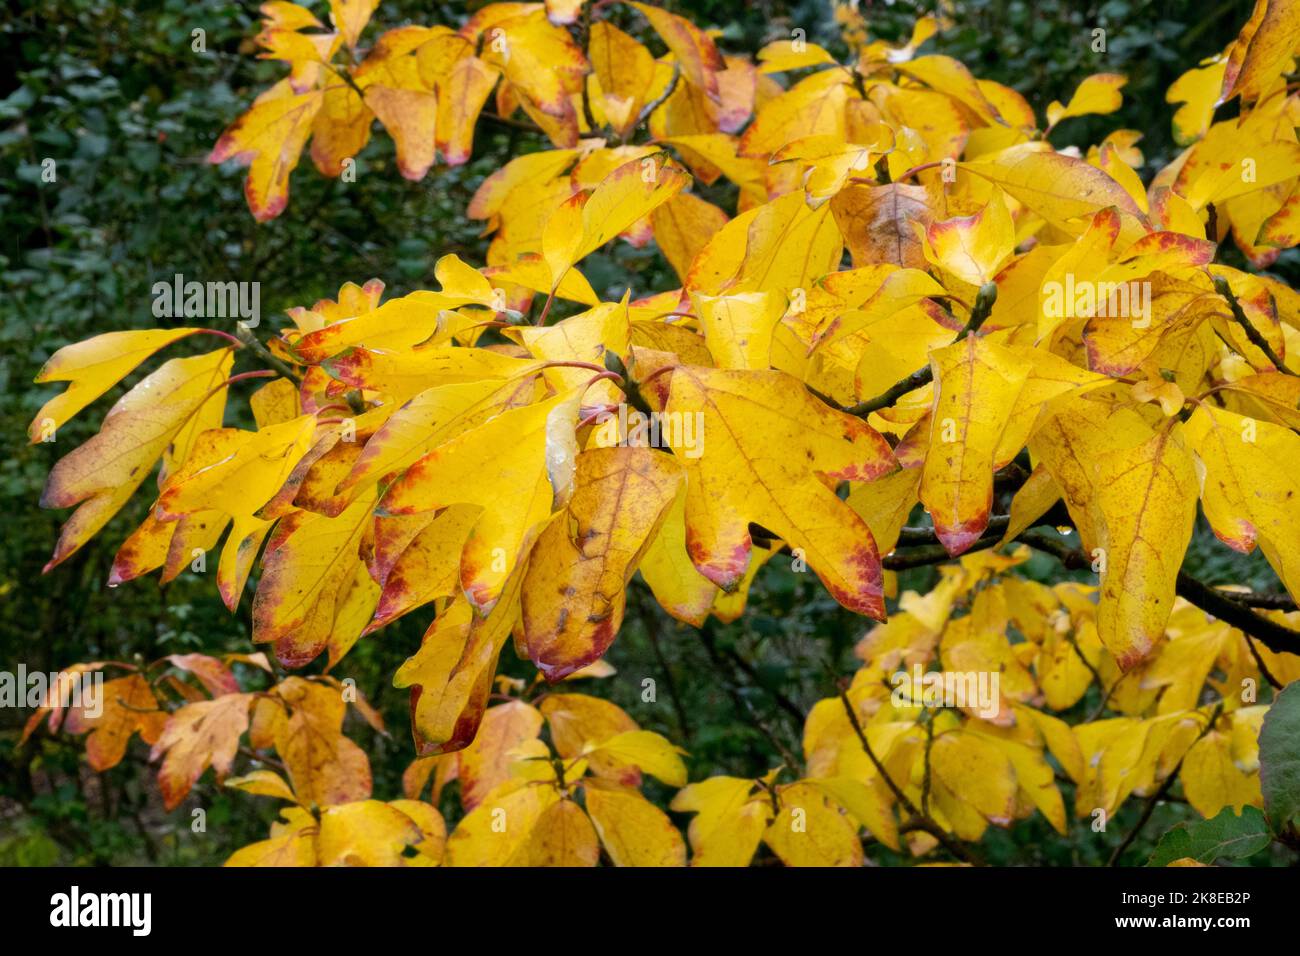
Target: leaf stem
{"points": [[245, 336]]}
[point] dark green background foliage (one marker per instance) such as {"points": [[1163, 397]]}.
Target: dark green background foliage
{"points": [[114, 94]]}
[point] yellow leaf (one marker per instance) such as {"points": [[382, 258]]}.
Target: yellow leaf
{"points": [[815, 106], [517, 467], [1146, 502], [973, 248], [428, 568], [1063, 190], [563, 836], [588, 220], [432, 829], [292, 843], [870, 803], [810, 830], [625, 70], [341, 129], [1099, 93], [633, 830], [782, 55], [102, 474], [269, 139], [1263, 49], [951, 77], [738, 328], [676, 583], [93, 367], [498, 832], [579, 723], [430, 418], [460, 101], [237, 473], [1198, 90], [1212, 780], [351, 16], [694, 50], [325, 768], [266, 783], [728, 823], [977, 772], [305, 573], [450, 676], [762, 432], [1247, 475], [485, 763], [366, 833], [682, 227], [648, 752], [575, 588], [977, 385]]}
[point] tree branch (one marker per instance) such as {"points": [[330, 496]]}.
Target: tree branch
{"points": [[254, 345], [1256, 338], [509, 123], [1159, 795], [935, 554], [914, 536], [988, 295], [1218, 603], [919, 820]]}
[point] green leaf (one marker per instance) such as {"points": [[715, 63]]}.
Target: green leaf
{"points": [[1227, 836], [1279, 758]]}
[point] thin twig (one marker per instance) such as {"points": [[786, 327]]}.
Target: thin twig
{"points": [[1256, 337], [988, 295], [920, 820], [659, 100], [254, 345], [1218, 603], [1159, 795], [510, 123]]}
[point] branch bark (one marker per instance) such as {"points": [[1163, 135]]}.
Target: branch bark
{"points": [[254, 345], [983, 307], [1256, 337], [919, 821], [1219, 603]]}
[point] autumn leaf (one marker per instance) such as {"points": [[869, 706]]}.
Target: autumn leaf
{"points": [[579, 570], [205, 733], [127, 707], [977, 383], [102, 474], [269, 139], [485, 764], [516, 466], [91, 368], [633, 831], [746, 415]]}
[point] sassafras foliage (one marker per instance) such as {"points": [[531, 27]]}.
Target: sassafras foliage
{"points": [[915, 307]]}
